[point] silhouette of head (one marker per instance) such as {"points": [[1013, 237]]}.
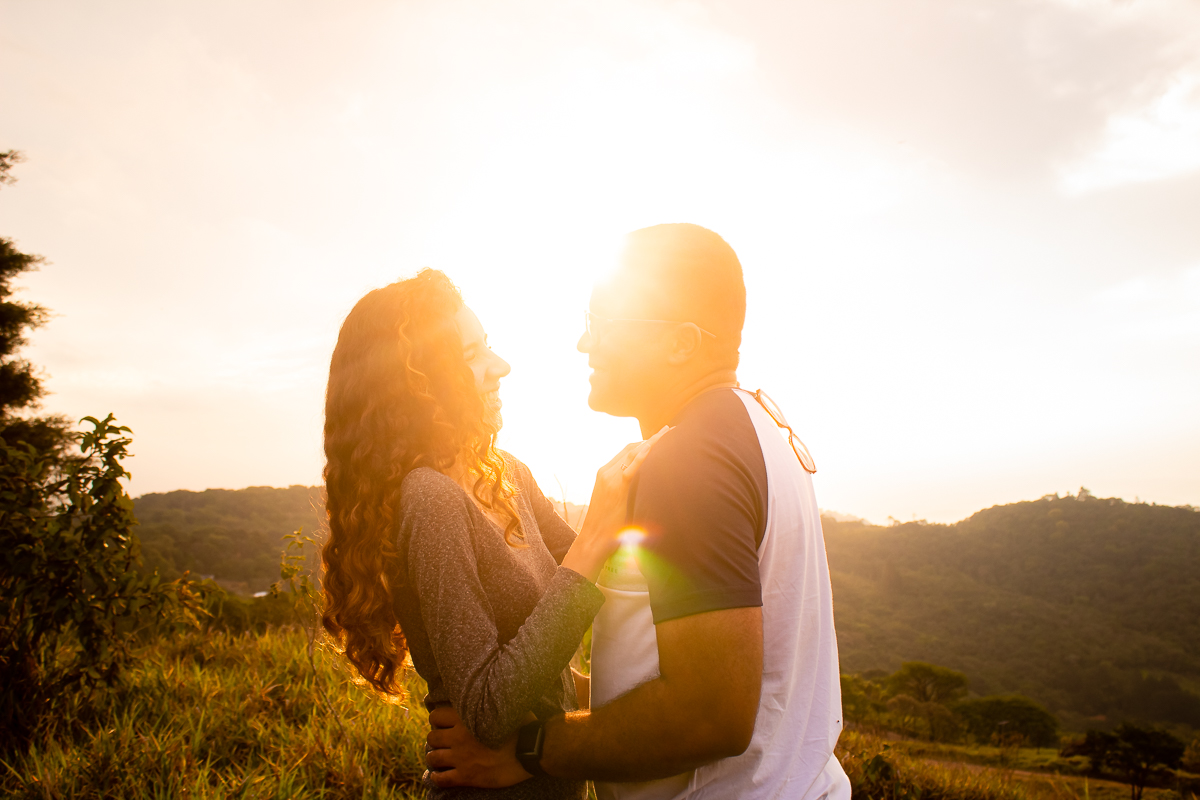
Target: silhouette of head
{"points": [[671, 313]]}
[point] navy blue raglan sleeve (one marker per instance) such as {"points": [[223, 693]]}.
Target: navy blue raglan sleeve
{"points": [[702, 508]]}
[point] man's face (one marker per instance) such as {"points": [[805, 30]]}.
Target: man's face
{"points": [[628, 359]]}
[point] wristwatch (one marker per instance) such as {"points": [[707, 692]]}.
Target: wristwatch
{"points": [[530, 739]]}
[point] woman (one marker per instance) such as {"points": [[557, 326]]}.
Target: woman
{"points": [[442, 546]]}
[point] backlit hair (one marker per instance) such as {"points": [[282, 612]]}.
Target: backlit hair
{"points": [[684, 272], [400, 396]]}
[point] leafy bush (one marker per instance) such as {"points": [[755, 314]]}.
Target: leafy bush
{"points": [[228, 613], [990, 717], [1191, 757], [1138, 754], [923, 701], [73, 599]]}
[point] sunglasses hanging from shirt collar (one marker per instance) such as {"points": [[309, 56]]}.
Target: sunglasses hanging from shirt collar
{"points": [[764, 400]]}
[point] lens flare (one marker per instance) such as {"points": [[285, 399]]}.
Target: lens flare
{"points": [[631, 537]]}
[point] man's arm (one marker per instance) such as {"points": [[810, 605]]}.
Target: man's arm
{"points": [[700, 708]]}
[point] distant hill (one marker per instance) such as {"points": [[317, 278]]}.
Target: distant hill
{"points": [[1089, 606], [234, 536]]}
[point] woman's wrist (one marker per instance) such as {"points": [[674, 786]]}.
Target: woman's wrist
{"points": [[585, 558]]}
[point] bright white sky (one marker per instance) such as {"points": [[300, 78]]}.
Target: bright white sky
{"points": [[970, 230]]}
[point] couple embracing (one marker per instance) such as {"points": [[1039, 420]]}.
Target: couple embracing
{"points": [[714, 669]]}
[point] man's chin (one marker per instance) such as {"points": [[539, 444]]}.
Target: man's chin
{"points": [[605, 403]]}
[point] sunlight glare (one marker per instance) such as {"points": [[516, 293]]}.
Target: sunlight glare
{"points": [[631, 537]]}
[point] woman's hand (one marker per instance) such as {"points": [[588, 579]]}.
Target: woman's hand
{"points": [[583, 688], [456, 758], [606, 512]]}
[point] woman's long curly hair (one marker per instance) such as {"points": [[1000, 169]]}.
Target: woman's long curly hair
{"points": [[400, 396]]}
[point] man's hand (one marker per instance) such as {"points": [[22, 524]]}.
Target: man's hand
{"points": [[455, 758]]}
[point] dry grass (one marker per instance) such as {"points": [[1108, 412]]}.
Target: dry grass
{"points": [[888, 770], [878, 771], [223, 715]]}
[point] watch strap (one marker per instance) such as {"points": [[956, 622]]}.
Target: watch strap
{"points": [[530, 739]]}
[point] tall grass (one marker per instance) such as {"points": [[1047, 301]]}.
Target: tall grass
{"points": [[879, 772], [886, 769], [224, 715]]}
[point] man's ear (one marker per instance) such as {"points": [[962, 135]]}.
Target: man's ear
{"points": [[684, 344]]}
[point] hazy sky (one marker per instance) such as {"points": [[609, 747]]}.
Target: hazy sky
{"points": [[970, 230]]}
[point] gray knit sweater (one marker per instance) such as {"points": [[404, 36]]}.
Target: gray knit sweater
{"points": [[491, 628]]}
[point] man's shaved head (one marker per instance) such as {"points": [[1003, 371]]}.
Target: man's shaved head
{"points": [[686, 273], [640, 368]]}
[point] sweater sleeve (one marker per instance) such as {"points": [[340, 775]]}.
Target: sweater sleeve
{"points": [[491, 685], [556, 533]]}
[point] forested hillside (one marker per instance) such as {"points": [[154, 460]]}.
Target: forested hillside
{"points": [[235, 536], [1090, 606]]}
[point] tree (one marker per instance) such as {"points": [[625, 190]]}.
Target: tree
{"points": [[921, 691], [862, 699], [927, 683], [1132, 751], [988, 717], [20, 387], [71, 597], [917, 718]]}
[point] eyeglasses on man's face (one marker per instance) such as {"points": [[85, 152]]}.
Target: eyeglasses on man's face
{"points": [[597, 327], [806, 459]]}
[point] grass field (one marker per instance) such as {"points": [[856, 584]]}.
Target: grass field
{"points": [[932, 770], [233, 716], [222, 715]]}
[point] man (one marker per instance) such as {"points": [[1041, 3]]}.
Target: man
{"points": [[714, 660]]}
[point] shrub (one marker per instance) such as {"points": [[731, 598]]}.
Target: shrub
{"points": [[1191, 757], [987, 718], [71, 596], [1138, 754]]}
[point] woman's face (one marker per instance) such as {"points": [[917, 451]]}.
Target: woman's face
{"points": [[488, 367]]}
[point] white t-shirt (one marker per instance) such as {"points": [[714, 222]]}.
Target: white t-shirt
{"points": [[799, 715]]}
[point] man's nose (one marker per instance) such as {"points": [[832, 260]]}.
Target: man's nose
{"points": [[584, 345], [500, 367]]}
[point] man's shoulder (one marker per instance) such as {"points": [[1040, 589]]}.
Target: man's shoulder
{"points": [[714, 432]]}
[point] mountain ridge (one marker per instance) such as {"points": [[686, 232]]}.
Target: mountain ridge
{"points": [[1090, 606]]}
